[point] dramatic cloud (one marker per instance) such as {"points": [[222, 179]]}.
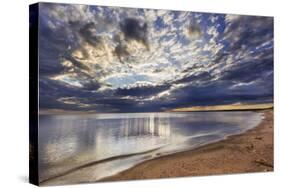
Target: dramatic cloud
{"points": [[110, 59], [134, 30], [193, 31]]}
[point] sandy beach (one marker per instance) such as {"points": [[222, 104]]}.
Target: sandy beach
{"points": [[248, 152]]}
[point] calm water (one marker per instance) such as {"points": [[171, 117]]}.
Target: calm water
{"points": [[90, 147]]}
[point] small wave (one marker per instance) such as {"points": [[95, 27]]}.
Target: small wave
{"points": [[99, 162]]}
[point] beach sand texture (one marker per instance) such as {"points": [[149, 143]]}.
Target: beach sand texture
{"points": [[249, 152]]}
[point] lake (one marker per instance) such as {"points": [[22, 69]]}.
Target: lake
{"points": [[83, 148]]}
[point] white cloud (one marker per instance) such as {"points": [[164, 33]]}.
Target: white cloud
{"points": [[151, 15], [213, 32], [213, 19], [230, 18]]}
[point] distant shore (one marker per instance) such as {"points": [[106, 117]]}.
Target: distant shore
{"points": [[227, 107], [248, 152]]}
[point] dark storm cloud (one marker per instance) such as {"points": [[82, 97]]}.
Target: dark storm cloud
{"points": [[75, 62], [121, 51], [52, 91], [206, 94], [88, 32], [247, 34], [91, 85], [248, 31], [241, 73], [214, 93], [193, 68], [194, 31], [134, 29], [58, 89], [52, 44], [201, 76]]}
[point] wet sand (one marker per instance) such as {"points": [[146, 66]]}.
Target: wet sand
{"points": [[248, 152]]}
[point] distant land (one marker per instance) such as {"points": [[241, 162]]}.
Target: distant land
{"points": [[227, 107], [62, 112]]}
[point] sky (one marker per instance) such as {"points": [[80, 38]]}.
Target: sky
{"points": [[112, 59]]}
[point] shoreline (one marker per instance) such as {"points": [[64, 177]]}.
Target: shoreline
{"points": [[251, 151]]}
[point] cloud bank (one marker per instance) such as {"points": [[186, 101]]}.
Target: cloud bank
{"points": [[110, 59]]}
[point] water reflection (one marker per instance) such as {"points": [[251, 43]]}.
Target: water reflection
{"points": [[149, 126], [69, 141]]}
